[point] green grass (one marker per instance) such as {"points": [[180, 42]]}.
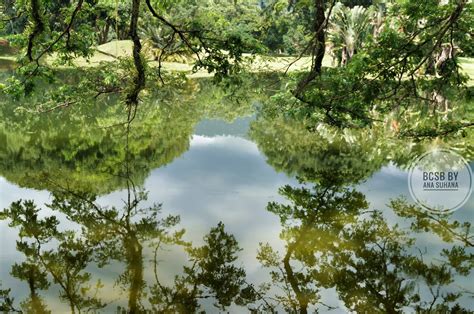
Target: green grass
{"points": [[7, 63], [123, 48], [110, 51], [467, 64]]}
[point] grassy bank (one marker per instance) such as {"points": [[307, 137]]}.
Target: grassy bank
{"points": [[109, 52]]}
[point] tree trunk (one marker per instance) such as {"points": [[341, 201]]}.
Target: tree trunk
{"points": [[139, 80], [318, 47]]}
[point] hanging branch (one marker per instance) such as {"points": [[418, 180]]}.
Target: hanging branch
{"points": [[181, 33], [139, 80], [317, 45], [38, 27]]}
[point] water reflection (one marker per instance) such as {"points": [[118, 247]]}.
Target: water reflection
{"points": [[333, 240], [298, 148], [83, 146], [105, 235]]}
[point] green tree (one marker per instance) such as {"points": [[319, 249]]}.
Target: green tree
{"points": [[110, 234], [65, 264], [386, 76], [74, 36], [347, 31]]}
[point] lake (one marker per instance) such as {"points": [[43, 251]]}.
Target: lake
{"points": [[207, 155]]}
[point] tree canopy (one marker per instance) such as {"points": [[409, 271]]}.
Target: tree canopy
{"points": [[358, 85], [397, 57]]}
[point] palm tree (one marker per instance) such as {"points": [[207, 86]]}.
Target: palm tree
{"points": [[348, 28]]}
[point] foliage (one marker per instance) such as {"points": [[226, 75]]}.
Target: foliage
{"points": [[6, 300], [81, 133], [65, 264], [406, 64], [110, 234], [333, 242], [348, 30], [81, 144], [285, 27], [321, 153]]}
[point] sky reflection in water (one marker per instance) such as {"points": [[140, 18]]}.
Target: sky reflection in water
{"points": [[223, 176]]}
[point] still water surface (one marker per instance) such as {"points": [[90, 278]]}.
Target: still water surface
{"points": [[207, 158]]}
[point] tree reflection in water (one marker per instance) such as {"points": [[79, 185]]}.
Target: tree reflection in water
{"points": [[81, 146], [104, 235], [111, 234], [333, 239]]}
